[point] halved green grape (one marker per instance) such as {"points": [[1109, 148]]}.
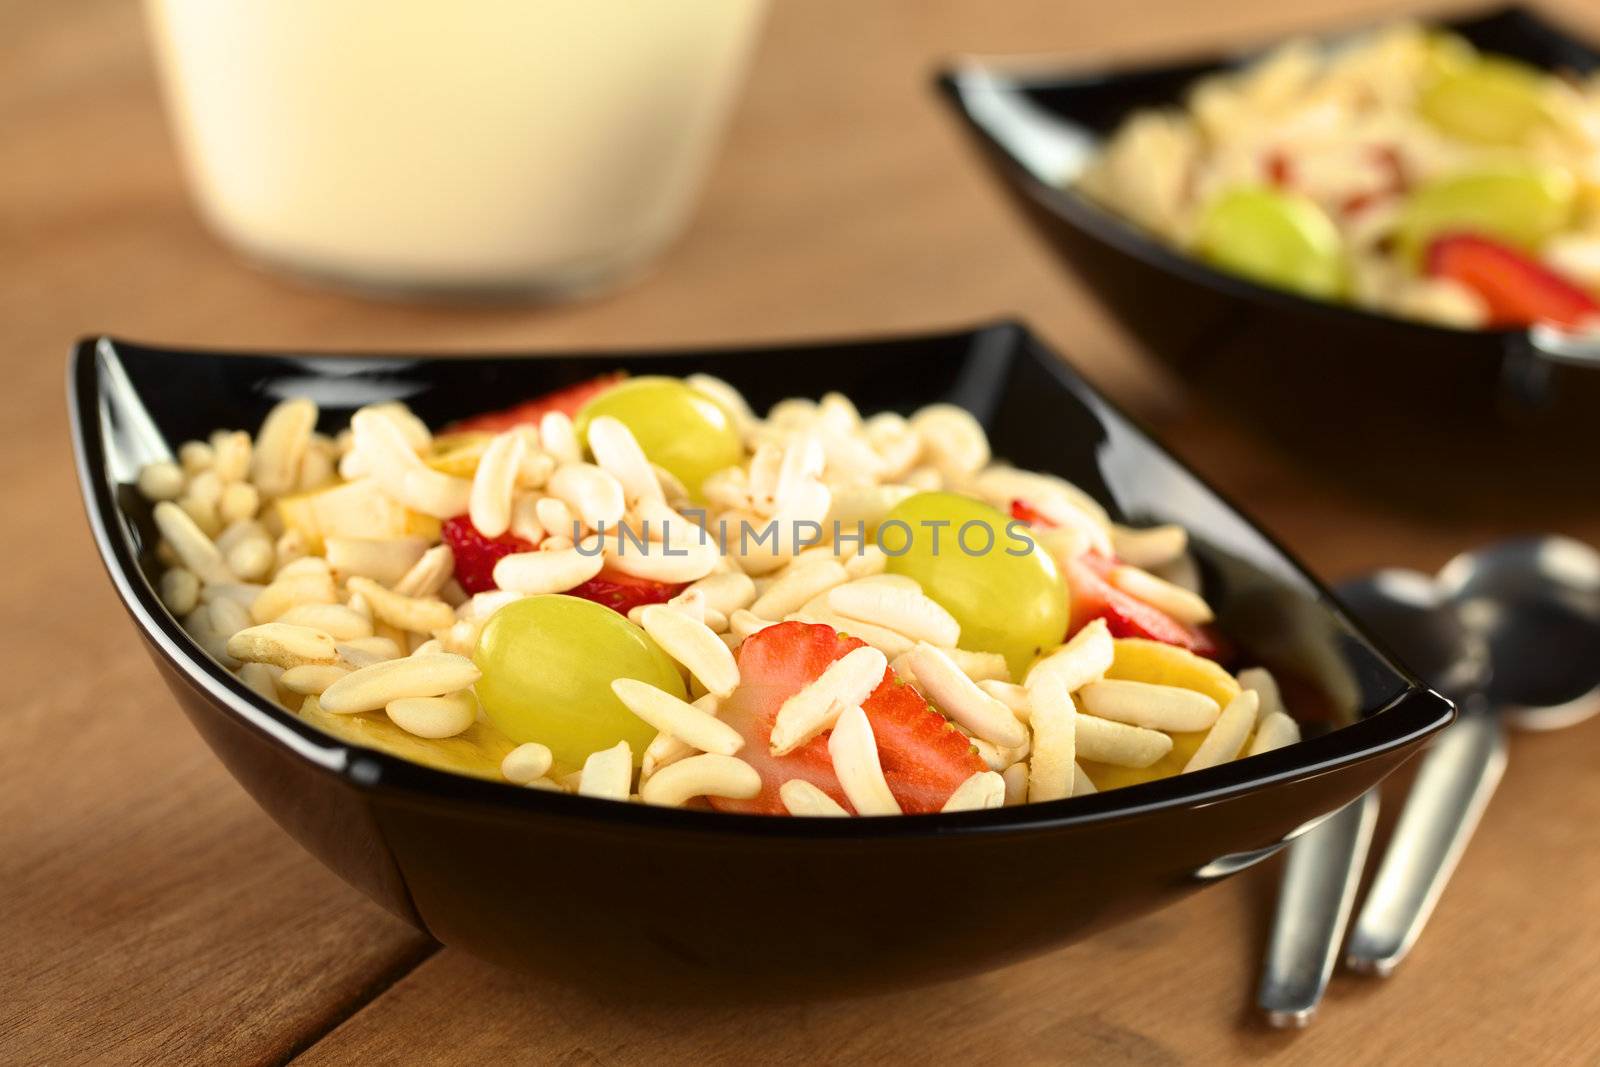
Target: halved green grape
{"points": [[548, 663], [1521, 204], [679, 427], [1489, 100], [960, 551], [1277, 238]]}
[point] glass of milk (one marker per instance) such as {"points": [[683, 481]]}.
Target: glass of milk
{"points": [[540, 148]]}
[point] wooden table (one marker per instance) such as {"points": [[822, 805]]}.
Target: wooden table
{"points": [[152, 914]]}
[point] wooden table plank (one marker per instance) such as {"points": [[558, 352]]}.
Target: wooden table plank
{"points": [[152, 913], [152, 910]]}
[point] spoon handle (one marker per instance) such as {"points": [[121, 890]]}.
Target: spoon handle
{"points": [[1320, 876], [1457, 777]]}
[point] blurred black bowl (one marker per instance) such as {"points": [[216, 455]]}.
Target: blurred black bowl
{"points": [[1308, 371], [680, 902]]}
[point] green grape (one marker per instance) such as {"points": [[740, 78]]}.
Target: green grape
{"points": [[1488, 100], [679, 428], [1276, 238], [548, 663], [1015, 605], [1521, 204]]}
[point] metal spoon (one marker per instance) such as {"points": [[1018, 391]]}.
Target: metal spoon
{"points": [[1322, 868], [1535, 604], [1512, 633]]}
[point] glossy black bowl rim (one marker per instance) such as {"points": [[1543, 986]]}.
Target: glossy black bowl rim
{"points": [[1128, 237], [1412, 715]]}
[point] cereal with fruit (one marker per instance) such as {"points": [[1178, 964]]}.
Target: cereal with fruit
{"points": [[1401, 171], [636, 589]]}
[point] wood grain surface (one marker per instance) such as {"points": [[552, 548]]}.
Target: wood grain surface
{"points": [[153, 915]]}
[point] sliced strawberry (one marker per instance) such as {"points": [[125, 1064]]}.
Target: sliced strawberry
{"points": [[569, 400], [1396, 181], [1279, 168], [1356, 203], [1094, 597], [623, 592], [1023, 511], [476, 554], [1518, 290], [1393, 164], [924, 758]]}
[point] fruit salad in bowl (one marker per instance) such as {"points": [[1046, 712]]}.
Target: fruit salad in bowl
{"points": [[1401, 170], [638, 589], [534, 777]]}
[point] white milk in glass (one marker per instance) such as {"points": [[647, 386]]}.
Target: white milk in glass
{"points": [[474, 146]]}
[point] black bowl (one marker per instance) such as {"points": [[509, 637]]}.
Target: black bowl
{"points": [[683, 902], [1038, 126]]}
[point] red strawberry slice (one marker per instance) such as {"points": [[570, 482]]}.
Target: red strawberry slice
{"points": [[1397, 180], [623, 592], [1094, 597], [1518, 290], [1356, 203], [1279, 168], [924, 758], [476, 554], [1023, 511], [569, 400], [1389, 159]]}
